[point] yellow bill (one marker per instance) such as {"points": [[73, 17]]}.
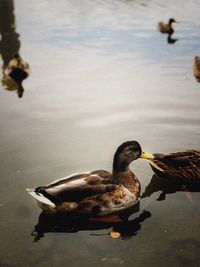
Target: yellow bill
{"points": [[145, 155], [155, 165]]}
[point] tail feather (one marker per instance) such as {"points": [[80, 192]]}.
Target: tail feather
{"points": [[40, 198]]}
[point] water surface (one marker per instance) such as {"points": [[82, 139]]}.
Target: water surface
{"points": [[101, 74]]}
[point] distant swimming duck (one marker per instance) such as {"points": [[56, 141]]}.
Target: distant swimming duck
{"points": [[16, 71], [196, 68], [166, 27], [179, 167], [96, 193]]}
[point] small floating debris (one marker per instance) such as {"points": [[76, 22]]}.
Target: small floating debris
{"points": [[114, 234]]}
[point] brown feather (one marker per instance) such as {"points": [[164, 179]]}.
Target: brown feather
{"points": [[180, 165]]}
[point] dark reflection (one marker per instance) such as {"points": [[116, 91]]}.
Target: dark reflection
{"points": [[168, 187], [14, 74], [11, 85], [9, 43], [59, 223], [9, 47], [171, 40]]}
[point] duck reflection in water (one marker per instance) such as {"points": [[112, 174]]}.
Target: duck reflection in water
{"points": [[15, 70], [169, 187], [171, 40], [14, 73], [61, 223]]}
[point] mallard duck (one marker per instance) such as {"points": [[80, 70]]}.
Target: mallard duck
{"points": [[96, 193], [196, 68], [179, 167], [166, 27], [16, 71]]}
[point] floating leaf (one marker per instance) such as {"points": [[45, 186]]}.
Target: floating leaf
{"points": [[114, 234]]}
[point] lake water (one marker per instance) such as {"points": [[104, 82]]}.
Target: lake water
{"points": [[101, 74]]}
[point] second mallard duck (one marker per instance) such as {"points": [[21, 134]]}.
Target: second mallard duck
{"points": [[196, 68], [179, 167], [95, 193]]}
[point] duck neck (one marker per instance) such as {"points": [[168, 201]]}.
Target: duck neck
{"points": [[120, 166], [123, 175]]}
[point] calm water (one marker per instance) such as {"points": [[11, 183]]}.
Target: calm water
{"points": [[101, 74]]}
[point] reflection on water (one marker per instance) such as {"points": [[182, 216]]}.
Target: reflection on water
{"points": [[9, 42], [14, 73], [171, 40], [168, 187], [11, 85], [9, 46], [59, 223]]}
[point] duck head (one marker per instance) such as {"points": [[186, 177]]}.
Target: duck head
{"points": [[196, 59], [126, 153], [171, 21]]}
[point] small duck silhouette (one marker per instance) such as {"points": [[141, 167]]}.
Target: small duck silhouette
{"points": [[166, 27]]}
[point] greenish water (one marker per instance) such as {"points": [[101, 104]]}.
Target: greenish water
{"points": [[101, 74]]}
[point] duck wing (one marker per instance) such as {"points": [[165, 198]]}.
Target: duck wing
{"points": [[77, 187], [110, 202], [185, 165], [165, 28], [162, 27]]}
